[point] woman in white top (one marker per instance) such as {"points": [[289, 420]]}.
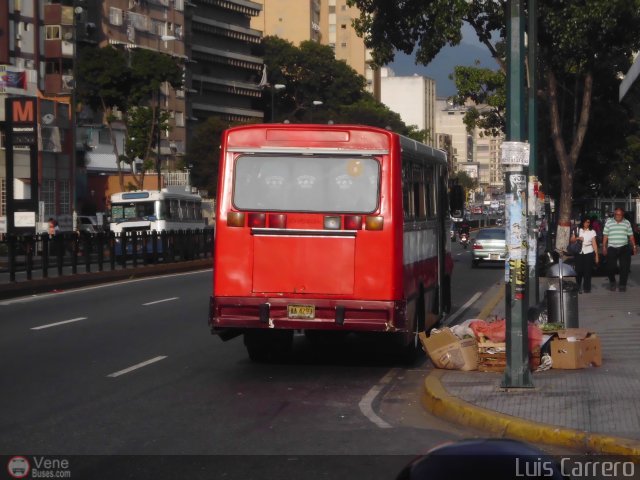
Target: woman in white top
{"points": [[587, 256]]}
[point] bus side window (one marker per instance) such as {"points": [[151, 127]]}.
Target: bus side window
{"points": [[175, 210], [429, 182], [407, 193]]}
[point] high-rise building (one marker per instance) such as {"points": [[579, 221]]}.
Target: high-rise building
{"points": [[474, 153], [36, 62], [224, 74], [413, 98], [327, 22], [39, 44]]}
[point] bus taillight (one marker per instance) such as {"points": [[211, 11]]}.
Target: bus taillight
{"points": [[331, 223], [257, 220], [374, 223], [235, 219], [277, 220], [353, 222]]}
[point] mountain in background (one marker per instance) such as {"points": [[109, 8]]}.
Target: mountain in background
{"points": [[442, 66]]}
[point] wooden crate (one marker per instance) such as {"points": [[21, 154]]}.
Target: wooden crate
{"points": [[497, 361]]}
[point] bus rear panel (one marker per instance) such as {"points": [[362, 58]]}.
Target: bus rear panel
{"points": [[311, 232]]}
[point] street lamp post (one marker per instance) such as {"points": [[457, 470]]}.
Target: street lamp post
{"points": [[274, 89], [315, 103]]}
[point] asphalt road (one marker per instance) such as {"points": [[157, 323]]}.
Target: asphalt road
{"points": [[131, 369]]}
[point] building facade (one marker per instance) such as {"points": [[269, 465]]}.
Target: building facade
{"points": [[325, 21], [36, 58], [413, 98], [474, 153], [223, 72], [39, 43]]}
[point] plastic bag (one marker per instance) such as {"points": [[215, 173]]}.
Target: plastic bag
{"points": [[496, 332], [574, 248]]}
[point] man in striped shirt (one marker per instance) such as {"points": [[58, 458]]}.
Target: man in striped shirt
{"points": [[618, 244]]}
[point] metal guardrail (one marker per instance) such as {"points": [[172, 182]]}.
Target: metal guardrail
{"points": [[104, 250]]}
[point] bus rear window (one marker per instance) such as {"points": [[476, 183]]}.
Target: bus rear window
{"points": [[306, 183]]}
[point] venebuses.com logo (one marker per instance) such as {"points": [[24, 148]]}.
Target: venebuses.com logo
{"points": [[18, 467]]}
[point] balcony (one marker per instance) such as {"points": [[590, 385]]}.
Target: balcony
{"points": [[55, 84], [56, 14]]}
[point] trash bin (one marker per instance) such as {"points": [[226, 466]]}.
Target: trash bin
{"points": [[562, 302]]}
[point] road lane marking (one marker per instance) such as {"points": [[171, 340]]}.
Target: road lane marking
{"points": [[49, 325], [48, 295], [137, 366], [160, 301], [461, 310], [366, 404]]}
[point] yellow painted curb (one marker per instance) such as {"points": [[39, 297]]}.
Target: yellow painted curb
{"points": [[438, 401]]}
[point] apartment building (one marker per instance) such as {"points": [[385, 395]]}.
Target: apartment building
{"points": [[39, 40], [224, 74], [325, 21], [36, 58], [413, 98], [473, 153]]}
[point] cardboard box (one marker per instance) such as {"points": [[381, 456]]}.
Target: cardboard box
{"points": [[575, 348], [447, 351], [492, 357]]}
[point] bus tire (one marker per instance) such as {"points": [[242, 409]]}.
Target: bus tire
{"points": [[410, 346], [268, 345]]}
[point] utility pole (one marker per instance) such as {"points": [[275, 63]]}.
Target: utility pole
{"points": [[533, 290], [515, 158]]}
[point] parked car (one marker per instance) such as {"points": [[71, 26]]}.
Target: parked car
{"points": [[489, 246]]}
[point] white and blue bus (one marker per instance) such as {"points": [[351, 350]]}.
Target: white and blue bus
{"points": [[149, 210]]}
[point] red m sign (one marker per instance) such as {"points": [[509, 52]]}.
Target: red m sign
{"points": [[23, 110]]}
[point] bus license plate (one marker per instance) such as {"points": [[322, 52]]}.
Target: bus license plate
{"points": [[301, 311]]}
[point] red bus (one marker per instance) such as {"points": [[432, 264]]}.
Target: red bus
{"points": [[328, 227]]}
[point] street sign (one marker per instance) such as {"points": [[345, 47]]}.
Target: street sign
{"points": [[515, 153]]}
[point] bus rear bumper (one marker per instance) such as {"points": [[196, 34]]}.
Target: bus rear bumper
{"points": [[230, 316]]}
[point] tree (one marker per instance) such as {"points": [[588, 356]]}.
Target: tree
{"points": [[110, 79], [465, 181], [486, 89], [575, 39], [311, 72], [203, 154]]}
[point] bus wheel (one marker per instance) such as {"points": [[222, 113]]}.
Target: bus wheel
{"points": [[268, 345], [410, 346]]}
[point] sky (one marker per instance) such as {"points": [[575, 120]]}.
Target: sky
{"points": [[442, 66]]}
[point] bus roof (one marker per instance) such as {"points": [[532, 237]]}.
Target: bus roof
{"points": [[344, 138]]}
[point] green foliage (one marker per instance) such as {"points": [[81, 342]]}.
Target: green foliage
{"points": [[487, 89], [577, 41], [312, 73], [110, 78], [464, 180], [203, 154], [103, 78]]}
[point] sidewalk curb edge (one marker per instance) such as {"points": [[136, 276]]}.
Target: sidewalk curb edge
{"points": [[439, 402]]}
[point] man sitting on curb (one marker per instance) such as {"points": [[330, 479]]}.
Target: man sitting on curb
{"points": [[618, 244]]}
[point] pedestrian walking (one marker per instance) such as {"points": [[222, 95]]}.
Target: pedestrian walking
{"points": [[587, 257], [618, 244]]}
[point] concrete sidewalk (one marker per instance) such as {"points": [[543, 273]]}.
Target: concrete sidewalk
{"points": [[595, 409]]}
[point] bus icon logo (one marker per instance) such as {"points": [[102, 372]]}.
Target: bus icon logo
{"points": [[18, 467]]}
